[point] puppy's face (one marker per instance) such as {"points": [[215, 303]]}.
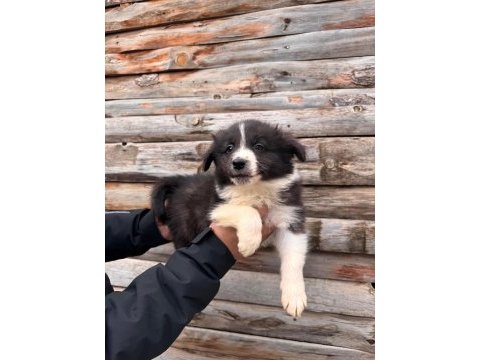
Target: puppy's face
{"points": [[252, 151]]}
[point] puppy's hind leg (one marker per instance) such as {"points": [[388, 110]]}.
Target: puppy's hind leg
{"points": [[246, 220], [292, 249]]}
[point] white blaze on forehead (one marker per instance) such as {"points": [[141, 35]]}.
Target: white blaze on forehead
{"points": [[242, 135], [245, 153]]}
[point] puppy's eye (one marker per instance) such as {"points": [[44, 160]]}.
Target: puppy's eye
{"points": [[229, 149], [259, 147]]}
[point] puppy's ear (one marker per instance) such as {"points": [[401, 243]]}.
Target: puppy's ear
{"points": [[208, 158], [207, 161], [297, 149]]}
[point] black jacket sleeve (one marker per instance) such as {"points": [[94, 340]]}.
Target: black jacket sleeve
{"points": [[145, 319], [130, 233]]}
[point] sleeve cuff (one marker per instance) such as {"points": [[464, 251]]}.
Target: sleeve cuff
{"points": [[208, 250]]}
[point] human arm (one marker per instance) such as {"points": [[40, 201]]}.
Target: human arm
{"points": [[145, 319], [130, 233]]}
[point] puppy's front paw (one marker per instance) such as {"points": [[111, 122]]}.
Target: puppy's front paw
{"points": [[249, 241], [294, 299]]}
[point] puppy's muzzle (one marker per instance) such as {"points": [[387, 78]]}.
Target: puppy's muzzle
{"points": [[238, 164]]}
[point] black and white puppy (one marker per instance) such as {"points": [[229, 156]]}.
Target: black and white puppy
{"points": [[253, 167]]}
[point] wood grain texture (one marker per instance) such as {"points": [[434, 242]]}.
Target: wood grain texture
{"points": [[321, 328], [329, 235], [165, 12], [330, 161], [250, 78], [339, 235], [311, 122], [240, 102], [221, 345], [309, 46], [322, 202], [261, 24], [353, 332], [110, 3], [340, 202], [319, 265], [324, 295]]}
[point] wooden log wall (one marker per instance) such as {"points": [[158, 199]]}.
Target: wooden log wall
{"points": [[178, 71]]}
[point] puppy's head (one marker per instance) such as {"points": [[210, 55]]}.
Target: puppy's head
{"points": [[252, 151]]}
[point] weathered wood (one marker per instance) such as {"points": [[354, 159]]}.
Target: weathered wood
{"points": [[322, 328], [325, 235], [353, 332], [267, 23], [333, 296], [329, 201], [340, 202], [311, 122], [319, 265], [309, 46], [241, 102], [249, 78], [339, 235], [109, 3], [330, 161], [345, 161], [165, 12], [183, 354], [228, 345]]}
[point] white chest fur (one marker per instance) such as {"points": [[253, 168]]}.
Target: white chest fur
{"points": [[264, 193]]}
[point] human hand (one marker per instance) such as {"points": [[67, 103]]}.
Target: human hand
{"points": [[164, 230], [228, 235]]}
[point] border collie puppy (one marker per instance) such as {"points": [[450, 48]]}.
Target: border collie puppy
{"points": [[253, 167]]}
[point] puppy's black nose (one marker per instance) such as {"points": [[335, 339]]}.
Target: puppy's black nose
{"points": [[238, 164]]}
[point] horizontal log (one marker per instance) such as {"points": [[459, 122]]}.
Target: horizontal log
{"points": [[250, 78], [327, 235], [309, 46], [311, 122], [109, 3], [319, 265], [340, 202], [320, 328], [164, 12], [332, 296], [268, 23], [241, 102], [228, 345], [330, 161], [351, 332], [339, 235], [329, 201], [182, 354]]}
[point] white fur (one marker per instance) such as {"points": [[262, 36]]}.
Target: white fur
{"points": [[243, 141], [237, 210], [257, 193], [246, 220], [292, 249], [246, 154]]}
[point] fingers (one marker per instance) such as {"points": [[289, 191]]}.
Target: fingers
{"points": [[164, 230], [267, 228], [263, 211]]}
